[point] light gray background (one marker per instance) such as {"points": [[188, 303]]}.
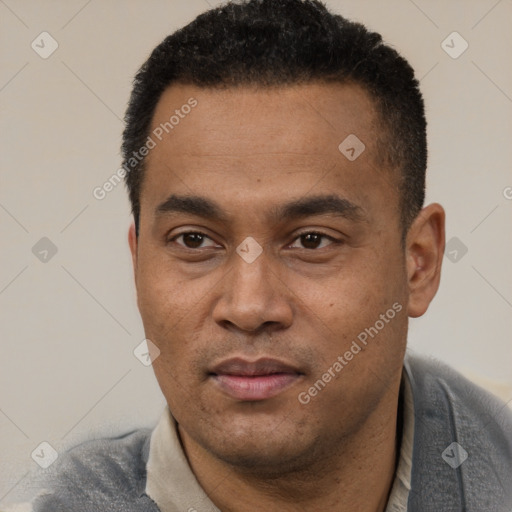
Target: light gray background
{"points": [[69, 326]]}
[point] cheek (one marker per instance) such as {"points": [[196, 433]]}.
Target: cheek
{"points": [[363, 287], [172, 311], [363, 303], [164, 297]]}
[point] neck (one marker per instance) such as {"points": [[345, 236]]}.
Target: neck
{"points": [[356, 475]]}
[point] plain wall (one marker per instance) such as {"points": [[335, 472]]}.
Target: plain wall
{"points": [[69, 325]]}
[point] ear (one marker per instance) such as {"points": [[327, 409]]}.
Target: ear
{"points": [[132, 241], [424, 256]]}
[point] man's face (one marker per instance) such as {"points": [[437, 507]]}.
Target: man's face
{"points": [[244, 335]]}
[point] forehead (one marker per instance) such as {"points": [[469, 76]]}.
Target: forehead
{"points": [[312, 119], [262, 145]]}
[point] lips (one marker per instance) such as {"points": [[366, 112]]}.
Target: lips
{"points": [[254, 380]]}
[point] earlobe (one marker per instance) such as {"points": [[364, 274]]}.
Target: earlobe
{"points": [[424, 255]]}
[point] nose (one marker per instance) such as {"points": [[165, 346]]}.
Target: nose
{"points": [[254, 297]]}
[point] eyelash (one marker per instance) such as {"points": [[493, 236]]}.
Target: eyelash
{"points": [[322, 235]]}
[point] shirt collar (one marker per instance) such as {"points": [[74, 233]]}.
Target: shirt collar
{"points": [[399, 494]]}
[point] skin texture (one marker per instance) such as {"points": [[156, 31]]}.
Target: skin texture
{"points": [[252, 151]]}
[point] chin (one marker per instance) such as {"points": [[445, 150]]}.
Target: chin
{"points": [[274, 448], [267, 461]]}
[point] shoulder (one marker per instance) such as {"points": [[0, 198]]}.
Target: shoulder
{"points": [[462, 440], [102, 462], [441, 388], [102, 474]]}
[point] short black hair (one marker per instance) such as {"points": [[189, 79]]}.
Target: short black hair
{"points": [[277, 43]]}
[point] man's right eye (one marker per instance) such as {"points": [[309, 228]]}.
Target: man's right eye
{"points": [[192, 240]]}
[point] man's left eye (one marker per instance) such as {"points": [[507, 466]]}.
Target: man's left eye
{"points": [[313, 240]]}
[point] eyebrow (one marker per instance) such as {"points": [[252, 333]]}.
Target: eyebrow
{"points": [[320, 205], [303, 207], [194, 205]]}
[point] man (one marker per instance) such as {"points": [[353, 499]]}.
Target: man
{"points": [[275, 157]]}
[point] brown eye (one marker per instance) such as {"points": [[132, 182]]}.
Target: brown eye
{"points": [[312, 240], [193, 240]]}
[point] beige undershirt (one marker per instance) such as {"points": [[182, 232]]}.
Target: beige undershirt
{"points": [[174, 488]]}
